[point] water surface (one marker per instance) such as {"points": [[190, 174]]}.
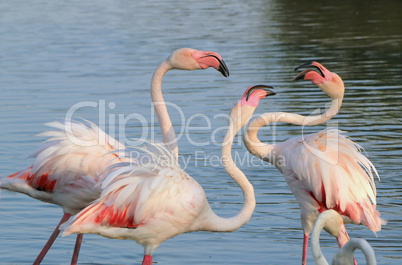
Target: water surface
{"points": [[54, 55]]}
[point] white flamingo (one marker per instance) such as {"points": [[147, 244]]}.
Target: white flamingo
{"points": [[157, 201], [332, 222], [65, 172], [324, 170]]}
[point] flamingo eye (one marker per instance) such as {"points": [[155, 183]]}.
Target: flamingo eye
{"points": [[188, 54]]}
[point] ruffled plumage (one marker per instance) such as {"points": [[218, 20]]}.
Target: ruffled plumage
{"points": [[152, 186], [330, 168], [66, 167]]}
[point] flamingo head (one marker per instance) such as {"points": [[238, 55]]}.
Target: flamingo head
{"points": [[247, 104], [335, 226], [190, 59], [253, 95], [329, 82]]}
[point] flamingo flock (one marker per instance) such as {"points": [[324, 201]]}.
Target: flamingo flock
{"points": [[103, 190]]}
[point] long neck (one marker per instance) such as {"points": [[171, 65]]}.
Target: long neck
{"points": [[214, 222], [345, 254], [168, 134], [262, 150], [315, 242]]}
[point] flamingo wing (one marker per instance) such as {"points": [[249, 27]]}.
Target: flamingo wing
{"points": [[83, 148], [159, 194], [67, 165], [331, 169]]}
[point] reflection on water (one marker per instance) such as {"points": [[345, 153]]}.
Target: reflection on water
{"points": [[55, 54]]}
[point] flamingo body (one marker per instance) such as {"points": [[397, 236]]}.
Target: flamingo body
{"points": [[324, 170], [146, 204], [154, 202], [67, 167], [64, 173]]}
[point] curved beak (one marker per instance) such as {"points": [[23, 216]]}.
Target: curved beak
{"points": [[222, 66], [263, 87], [314, 65]]}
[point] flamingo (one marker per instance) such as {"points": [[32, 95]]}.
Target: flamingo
{"points": [[152, 203], [332, 222], [324, 170], [66, 173]]}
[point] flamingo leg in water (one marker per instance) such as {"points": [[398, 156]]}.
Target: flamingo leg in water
{"points": [[147, 260], [305, 249], [51, 239], [77, 247]]}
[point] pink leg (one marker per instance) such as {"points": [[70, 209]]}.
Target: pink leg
{"points": [[147, 260], [50, 241], [77, 247], [305, 249]]}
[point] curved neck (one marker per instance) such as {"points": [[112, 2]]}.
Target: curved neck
{"points": [[315, 242], [262, 150], [317, 119], [216, 223], [345, 254], [168, 134]]}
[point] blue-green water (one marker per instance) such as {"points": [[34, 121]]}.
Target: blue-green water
{"points": [[54, 55]]}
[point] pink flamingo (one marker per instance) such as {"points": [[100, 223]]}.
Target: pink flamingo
{"points": [[332, 222], [324, 170], [157, 201], [66, 173]]}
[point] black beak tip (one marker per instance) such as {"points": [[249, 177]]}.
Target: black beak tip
{"points": [[224, 72], [223, 69], [298, 77], [267, 89], [308, 64], [264, 87], [270, 93], [311, 65]]}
